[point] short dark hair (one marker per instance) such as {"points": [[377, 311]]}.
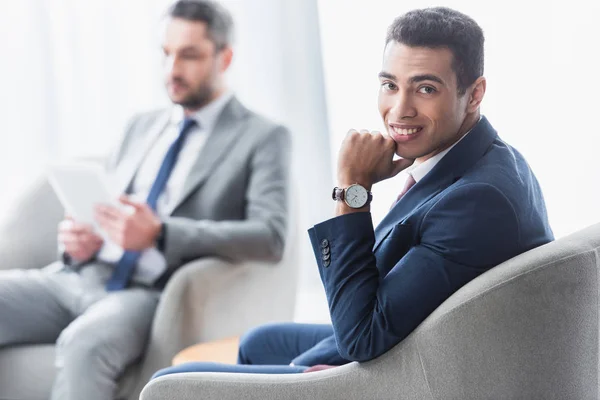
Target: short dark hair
{"points": [[443, 27], [219, 23]]}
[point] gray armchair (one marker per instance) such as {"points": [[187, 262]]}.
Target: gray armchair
{"points": [[527, 329], [205, 300]]}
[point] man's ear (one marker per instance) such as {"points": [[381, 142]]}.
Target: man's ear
{"points": [[477, 91], [226, 58]]}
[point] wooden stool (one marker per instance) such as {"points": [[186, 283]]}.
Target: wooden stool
{"points": [[221, 351]]}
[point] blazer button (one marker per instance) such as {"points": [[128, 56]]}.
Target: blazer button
{"points": [[324, 243], [326, 263], [325, 250], [326, 256]]}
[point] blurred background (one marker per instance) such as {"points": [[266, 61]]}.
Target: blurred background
{"points": [[73, 72]]}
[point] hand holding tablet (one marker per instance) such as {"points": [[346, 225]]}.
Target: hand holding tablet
{"points": [[80, 187]]}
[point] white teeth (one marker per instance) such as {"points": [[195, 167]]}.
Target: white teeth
{"points": [[406, 131]]}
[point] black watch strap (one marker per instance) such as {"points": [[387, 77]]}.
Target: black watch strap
{"points": [[337, 194], [162, 238]]}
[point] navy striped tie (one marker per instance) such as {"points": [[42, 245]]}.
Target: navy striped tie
{"points": [[126, 266]]}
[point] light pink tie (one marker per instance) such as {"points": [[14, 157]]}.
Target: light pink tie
{"points": [[410, 182]]}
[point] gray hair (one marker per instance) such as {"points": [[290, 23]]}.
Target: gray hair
{"points": [[219, 23]]}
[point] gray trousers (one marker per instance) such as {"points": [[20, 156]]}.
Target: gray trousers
{"points": [[97, 333]]}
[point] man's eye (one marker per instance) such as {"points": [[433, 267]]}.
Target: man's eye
{"points": [[389, 86], [427, 90]]}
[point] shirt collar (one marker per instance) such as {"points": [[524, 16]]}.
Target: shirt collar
{"points": [[207, 116], [419, 170]]}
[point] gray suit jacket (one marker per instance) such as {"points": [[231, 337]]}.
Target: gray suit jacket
{"points": [[234, 201]]}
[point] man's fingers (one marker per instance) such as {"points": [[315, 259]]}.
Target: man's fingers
{"points": [[128, 202], [77, 237], [67, 238], [73, 249], [87, 241], [90, 240], [81, 228], [68, 226], [106, 212], [109, 224]]}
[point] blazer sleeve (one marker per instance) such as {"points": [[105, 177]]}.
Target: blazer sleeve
{"points": [[468, 230], [261, 236]]}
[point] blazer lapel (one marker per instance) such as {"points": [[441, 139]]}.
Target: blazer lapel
{"points": [[132, 166], [447, 171], [226, 129], [419, 194]]}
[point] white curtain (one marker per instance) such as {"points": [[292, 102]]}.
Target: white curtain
{"points": [[542, 59], [74, 71]]}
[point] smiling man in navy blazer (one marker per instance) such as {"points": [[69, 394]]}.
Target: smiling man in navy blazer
{"points": [[470, 203]]}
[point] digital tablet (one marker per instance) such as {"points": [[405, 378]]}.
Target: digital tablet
{"points": [[80, 187]]}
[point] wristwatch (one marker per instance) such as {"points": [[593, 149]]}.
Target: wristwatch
{"points": [[355, 196]]}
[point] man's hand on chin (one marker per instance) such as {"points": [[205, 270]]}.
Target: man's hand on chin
{"points": [[134, 227], [366, 158]]}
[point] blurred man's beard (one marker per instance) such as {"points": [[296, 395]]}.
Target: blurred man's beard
{"points": [[197, 99]]}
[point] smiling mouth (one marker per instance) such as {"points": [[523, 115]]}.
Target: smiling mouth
{"points": [[405, 131]]}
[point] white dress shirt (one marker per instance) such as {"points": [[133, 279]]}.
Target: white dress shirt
{"points": [[152, 263], [419, 170]]}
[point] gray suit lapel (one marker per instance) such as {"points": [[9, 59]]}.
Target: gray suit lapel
{"points": [[132, 166], [226, 129]]}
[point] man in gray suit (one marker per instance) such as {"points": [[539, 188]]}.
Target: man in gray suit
{"points": [[204, 178]]}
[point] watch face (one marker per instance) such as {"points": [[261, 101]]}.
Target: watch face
{"points": [[356, 196]]}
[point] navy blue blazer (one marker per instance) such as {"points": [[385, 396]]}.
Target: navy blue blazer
{"points": [[478, 207]]}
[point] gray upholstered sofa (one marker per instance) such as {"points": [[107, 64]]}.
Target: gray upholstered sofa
{"points": [[205, 300], [525, 330]]}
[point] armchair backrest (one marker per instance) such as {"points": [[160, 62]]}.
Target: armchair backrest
{"points": [[527, 329], [28, 233]]}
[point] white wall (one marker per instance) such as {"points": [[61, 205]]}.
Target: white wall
{"points": [[542, 62]]}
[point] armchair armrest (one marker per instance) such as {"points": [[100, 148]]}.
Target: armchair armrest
{"points": [[334, 384], [28, 227], [210, 299]]}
